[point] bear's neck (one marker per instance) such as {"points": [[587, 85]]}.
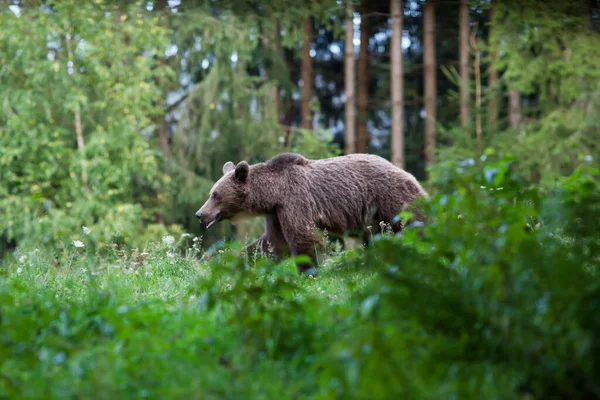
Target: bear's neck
{"points": [[265, 192]]}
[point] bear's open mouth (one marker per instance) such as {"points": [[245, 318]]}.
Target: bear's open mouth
{"points": [[214, 221]]}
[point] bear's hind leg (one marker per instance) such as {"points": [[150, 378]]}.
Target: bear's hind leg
{"points": [[301, 238]]}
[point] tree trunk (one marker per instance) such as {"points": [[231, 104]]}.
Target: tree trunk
{"points": [[514, 108], [588, 11], [163, 128], [397, 89], [363, 80], [77, 115], [163, 136], [276, 49], [306, 74], [464, 62], [430, 80], [478, 130], [273, 43], [349, 82], [287, 102], [492, 80], [514, 100]]}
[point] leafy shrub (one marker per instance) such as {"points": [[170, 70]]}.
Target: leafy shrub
{"points": [[497, 296]]}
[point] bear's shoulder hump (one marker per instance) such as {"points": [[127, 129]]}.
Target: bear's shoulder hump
{"points": [[287, 159]]}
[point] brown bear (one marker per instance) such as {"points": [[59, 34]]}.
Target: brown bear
{"points": [[345, 194]]}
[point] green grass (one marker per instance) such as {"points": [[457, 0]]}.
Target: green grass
{"points": [[135, 326]]}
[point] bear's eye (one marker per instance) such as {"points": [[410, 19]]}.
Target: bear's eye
{"points": [[215, 196]]}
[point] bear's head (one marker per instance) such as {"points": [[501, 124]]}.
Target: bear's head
{"points": [[227, 196]]}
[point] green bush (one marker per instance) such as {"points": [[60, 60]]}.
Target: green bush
{"points": [[497, 297]]}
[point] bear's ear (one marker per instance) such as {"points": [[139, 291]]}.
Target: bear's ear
{"points": [[241, 171], [229, 166]]}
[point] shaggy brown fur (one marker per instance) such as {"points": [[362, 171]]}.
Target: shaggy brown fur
{"points": [[346, 194]]}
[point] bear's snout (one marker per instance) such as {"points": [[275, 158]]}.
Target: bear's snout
{"points": [[207, 218]]}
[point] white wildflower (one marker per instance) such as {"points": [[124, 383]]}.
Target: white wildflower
{"points": [[170, 255], [168, 240], [22, 259], [19, 270], [184, 235], [86, 230], [145, 254], [78, 243]]}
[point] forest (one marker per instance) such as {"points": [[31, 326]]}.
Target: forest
{"points": [[117, 117]]}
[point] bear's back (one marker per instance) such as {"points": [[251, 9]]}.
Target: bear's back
{"points": [[285, 160], [357, 165], [362, 172], [346, 174]]}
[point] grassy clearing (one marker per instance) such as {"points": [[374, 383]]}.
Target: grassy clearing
{"points": [[135, 325]]}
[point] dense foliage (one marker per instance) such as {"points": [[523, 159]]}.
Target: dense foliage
{"points": [[548, 53], [76, 75], [120, 115], [497, 297], [84, 91]]}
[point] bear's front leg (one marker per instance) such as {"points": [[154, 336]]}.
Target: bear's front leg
{"points": [[301, 237], [272, 242]]}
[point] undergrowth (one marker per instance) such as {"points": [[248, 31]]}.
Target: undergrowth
{"points": [[497, 296]]}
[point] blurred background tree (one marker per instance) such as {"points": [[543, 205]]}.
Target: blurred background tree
{"points": [[119, 115]]}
